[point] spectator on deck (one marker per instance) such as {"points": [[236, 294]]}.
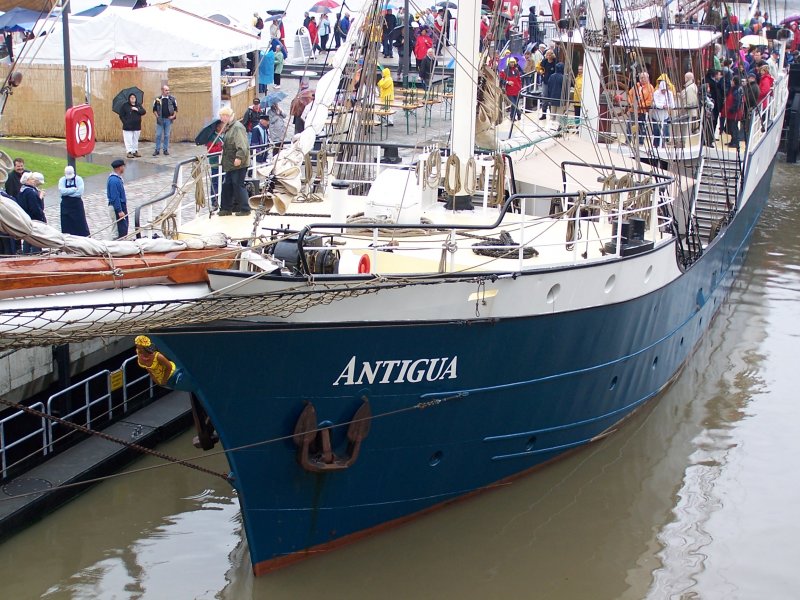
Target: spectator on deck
{"points": [[765, 84], [260, 137], [734, 112], [511, 77], [235, 160], [556, 90], [577, 94], [251, 115], [277, 126], [214, 149], [663, 105], [640, 101]]}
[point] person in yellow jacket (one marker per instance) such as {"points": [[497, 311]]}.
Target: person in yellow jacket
{"points": [[578, 91], [386, 88]]}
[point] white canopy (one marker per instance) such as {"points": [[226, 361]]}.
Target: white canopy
{"points": [[161, 37], [648, 39]]}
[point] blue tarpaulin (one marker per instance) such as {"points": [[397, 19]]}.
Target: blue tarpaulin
{"points": [[19, 19]]}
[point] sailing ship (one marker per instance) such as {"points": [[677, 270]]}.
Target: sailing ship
{"points": [[428, 331]]}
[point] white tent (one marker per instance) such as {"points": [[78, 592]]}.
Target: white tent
{"points": [[161, 36]]}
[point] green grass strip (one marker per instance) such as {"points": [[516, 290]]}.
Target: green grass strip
{"points": [[53, 167]]}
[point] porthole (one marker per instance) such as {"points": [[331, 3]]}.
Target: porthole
{"points": [[610, 283], [681, 341], [648, 274], [436, 458], [655, 363], [530, 444], [613, 383]]}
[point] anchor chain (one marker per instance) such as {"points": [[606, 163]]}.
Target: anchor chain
{"points": [[115, 440]]}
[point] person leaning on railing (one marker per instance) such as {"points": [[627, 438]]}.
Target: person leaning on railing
{"points": [[688, 99], [640, 96]]}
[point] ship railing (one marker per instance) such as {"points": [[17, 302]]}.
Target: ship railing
{"points": [[528, 229], [683, 130], [16, 418], [147, 212], [375, 164], [766, 112]]}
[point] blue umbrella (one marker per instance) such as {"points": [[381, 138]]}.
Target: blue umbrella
{"points": [[19, 19], [272, 98]]}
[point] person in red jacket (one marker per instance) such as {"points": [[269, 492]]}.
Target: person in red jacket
{"points": [[424, 43], [764, 85], [511, 77], [314, 35]]}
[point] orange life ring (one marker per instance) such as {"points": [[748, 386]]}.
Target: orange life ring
{"points": [[364, 264]]}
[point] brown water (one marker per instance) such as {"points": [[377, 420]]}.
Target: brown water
{"points": [[695, 497]]}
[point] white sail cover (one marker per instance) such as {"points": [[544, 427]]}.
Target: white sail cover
{"points": [[15, 222], [287, 166]]}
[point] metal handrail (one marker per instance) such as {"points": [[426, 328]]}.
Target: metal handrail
{"points": [[88, 404], [47, 425], [661, 180], [126, 384], [5, 448], [177, 179]]}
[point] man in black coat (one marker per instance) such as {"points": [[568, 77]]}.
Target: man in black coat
{"points": [[533, 27], [12, 182], [717, 94], [426, 68], [389, 23]]}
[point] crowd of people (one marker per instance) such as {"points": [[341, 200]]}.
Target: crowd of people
{"points": [[325, 36], [739, 79], [26, 188]]}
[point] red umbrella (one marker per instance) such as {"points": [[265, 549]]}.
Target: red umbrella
{"points": [[327, 3]]}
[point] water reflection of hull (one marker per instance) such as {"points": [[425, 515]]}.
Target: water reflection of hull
{"points": [[521, 397]]}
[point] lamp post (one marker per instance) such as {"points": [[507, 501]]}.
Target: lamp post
{"points": [[67, 65]]}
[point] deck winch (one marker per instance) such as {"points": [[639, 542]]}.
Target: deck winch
{"points": [[320, 262]]}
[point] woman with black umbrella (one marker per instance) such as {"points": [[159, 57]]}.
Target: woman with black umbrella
{"points": [[131, 116]]}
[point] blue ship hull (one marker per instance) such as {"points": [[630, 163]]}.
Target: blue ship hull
{"points": [[526, 391]]}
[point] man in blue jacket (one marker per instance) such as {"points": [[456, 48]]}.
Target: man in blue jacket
{"points": [[117, 201]]}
